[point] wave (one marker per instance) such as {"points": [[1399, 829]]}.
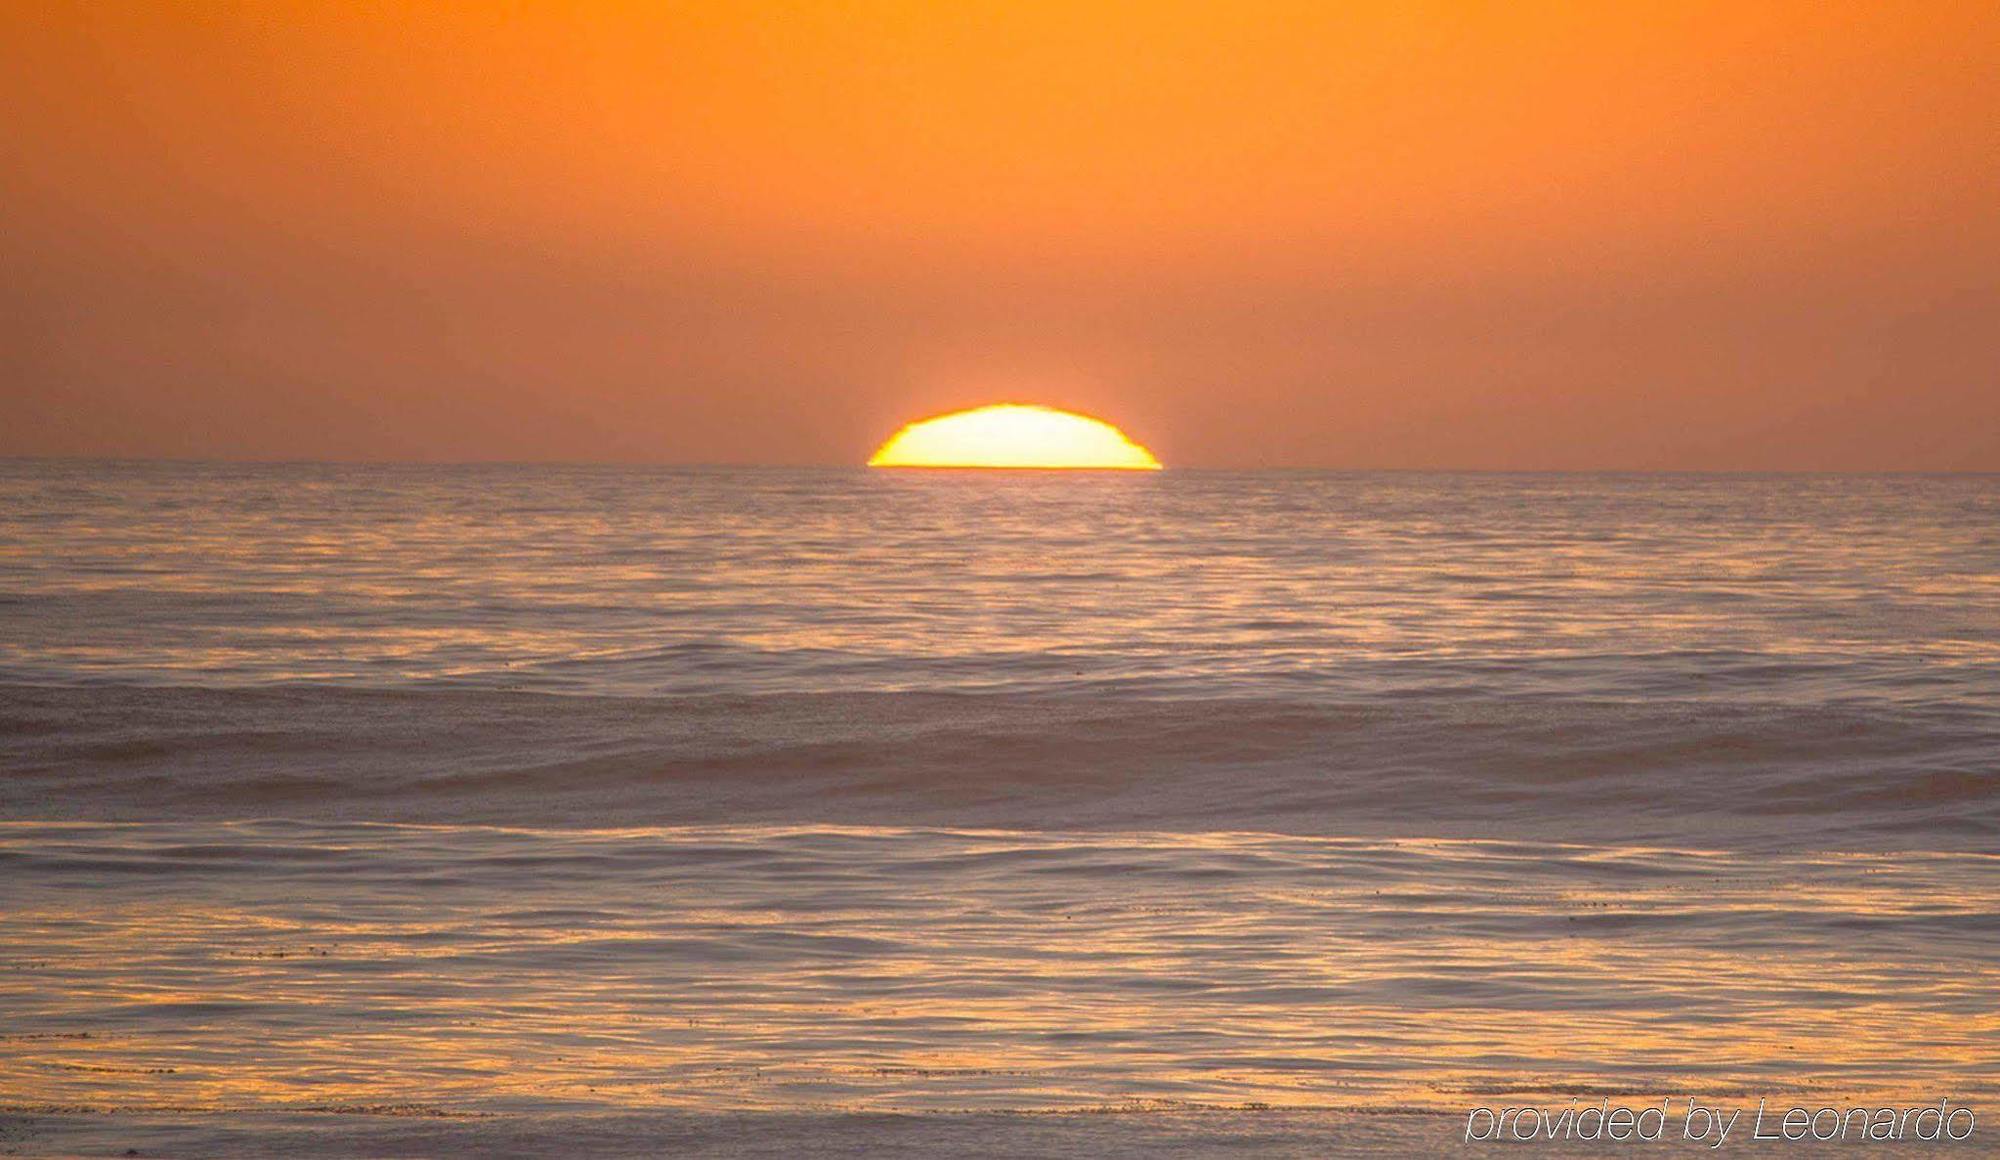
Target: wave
{"points": [[1688, 774]]}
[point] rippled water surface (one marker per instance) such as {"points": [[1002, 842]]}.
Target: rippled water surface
{"points": [[901, 969], [657, 581], [493, 809]]}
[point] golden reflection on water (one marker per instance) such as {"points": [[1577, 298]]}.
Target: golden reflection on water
{"points": [[241, 965], [631, 580]]}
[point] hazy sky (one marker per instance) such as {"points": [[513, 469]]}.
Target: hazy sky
{"points": [[1629, 235]]}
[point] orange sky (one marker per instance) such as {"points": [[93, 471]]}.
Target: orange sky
{"points": [[1622, 235]]}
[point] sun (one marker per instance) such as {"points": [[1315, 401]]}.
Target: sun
{"points": [[1014, 435]]}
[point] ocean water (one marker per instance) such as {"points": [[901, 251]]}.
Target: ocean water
{"points": [[506, 809]]}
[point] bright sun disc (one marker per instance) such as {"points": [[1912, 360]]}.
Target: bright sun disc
{"points": [[1013, 435]]}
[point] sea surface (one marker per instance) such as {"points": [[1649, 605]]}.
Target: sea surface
{"points": [[510, 810]]}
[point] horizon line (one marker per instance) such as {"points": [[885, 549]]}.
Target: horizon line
{"points": [[731, 465]]}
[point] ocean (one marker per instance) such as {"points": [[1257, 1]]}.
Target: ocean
{"points": [[501, 810]]}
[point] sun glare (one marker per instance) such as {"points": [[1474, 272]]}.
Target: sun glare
{"points": [[1014, 435]]}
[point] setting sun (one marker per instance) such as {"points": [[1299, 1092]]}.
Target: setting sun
{"points": [[1014, 435]]}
